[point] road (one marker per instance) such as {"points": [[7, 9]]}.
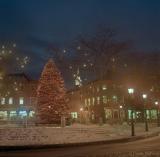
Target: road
{"points": [[148, 145]]}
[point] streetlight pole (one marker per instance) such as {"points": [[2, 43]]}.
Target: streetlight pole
{"points": [[131, 92], [158, 120], [144, 96], [81, 110]]}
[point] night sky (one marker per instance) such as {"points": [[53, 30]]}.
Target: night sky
{"points": [[35, 24]]}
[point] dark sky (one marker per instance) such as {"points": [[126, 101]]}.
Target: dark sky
{"points": [[34, 24]]}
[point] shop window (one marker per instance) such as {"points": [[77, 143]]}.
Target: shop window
{"points": [[153, 114], [130, 114], [3, 115], [23, 113], [13, 114]]}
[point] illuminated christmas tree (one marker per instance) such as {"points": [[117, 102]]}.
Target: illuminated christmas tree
{"points": [[51, 95]]}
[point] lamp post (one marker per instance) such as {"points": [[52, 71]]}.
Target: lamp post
{"points": [[144, 96], [81, 110], [131, 92], [120, 114], [158, 120]]}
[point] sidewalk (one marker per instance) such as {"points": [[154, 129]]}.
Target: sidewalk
{"points": [[42, 137]]}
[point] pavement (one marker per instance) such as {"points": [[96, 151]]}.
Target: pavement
{"points": [[121, 140], [148, 147]]}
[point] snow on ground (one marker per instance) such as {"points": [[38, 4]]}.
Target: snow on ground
{"points": [[72, 134]]}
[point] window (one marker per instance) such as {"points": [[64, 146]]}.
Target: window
{"points": [[31, 114], [85, 102], [3, 115], [93, 101], [21, 100], [104, 87], [153, 114], [130, 114], [23, 113], [105, 99], [13, 114], [74, 115], [114, 98], [2, 101], [89, 102], [10, 101], [98, 100], [108, 113]]}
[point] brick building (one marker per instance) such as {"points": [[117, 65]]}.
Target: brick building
{"points": [[88, 103], [18, 98], [110, 101], [98, 99]]}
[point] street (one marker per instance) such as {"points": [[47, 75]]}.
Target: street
{"points": [[150, 146]]}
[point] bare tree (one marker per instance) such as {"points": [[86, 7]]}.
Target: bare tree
{"points": [[98, 50], [91, 54]]}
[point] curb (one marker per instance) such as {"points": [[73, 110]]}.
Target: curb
{"points": [[113, 141]]}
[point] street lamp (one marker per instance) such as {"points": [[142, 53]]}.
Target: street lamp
{"points": [[156, 103], [131, 92], [144, 96], [81, 110], [158, 117]]}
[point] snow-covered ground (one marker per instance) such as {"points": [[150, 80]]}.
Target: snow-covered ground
{"points": [[73, 134]]}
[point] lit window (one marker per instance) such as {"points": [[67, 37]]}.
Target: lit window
{"points": [[104, 87], [93, 101], [10, 101], [3, 115], [104, 99], [89, 102], [2, 101], [98, 100], [85, 102], [31, 113], [74, 115], [21, 100], [114, 98], [130, 114], [13, 114], [23, 113], [108, 113]]}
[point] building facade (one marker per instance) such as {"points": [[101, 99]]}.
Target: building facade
{"points": [[17, 99], [100, 100], [108, 101]]}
